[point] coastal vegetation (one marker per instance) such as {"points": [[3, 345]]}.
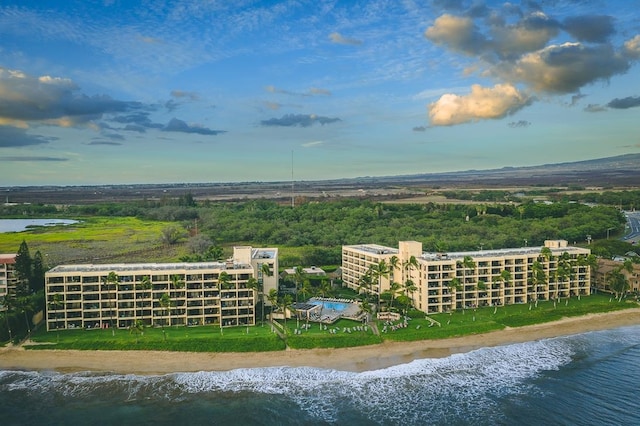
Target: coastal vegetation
{"points": [[312, 233], [346, 333], [184, 229]]}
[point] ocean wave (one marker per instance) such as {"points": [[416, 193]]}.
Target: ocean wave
{"points": [[443, 390]]}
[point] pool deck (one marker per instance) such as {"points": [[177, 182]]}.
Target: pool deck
{"points": [[327, 315]]}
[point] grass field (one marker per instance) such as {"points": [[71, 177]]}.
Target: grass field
{"points": [[95, 239]]}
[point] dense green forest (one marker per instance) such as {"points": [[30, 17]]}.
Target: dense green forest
{"points": [[321, 228], [625, 200]]}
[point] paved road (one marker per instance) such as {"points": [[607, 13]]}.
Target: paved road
{"points": [[633, 230]]}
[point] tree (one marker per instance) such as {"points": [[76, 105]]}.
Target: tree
{"points": [[165, 302], [299, 277], [112, 281], [394, 288], [272, 297], [408, 265], [137, 328], [538, 277], [8, 305], [286, 304], [224, 282], [25, 306], [265, 271], [38, 270], [410, 288], [378, 271], [454, 285], [466, 263], [177, 283], [55, 303], [145, 285], [394, 263], [23, 269], [171, 234]]}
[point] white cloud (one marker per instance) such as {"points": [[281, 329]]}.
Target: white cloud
{"points": [[482, 103], [564, 68], [632, 47]]}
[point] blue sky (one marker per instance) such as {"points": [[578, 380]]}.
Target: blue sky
{"points": [[101, 92]]}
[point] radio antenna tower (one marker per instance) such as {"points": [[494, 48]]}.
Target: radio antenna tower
{"points": [[293, 203]]}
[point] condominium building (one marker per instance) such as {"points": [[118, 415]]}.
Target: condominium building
{"points": [[119, 295], [8, 277], [606, 266], [459, 280]]}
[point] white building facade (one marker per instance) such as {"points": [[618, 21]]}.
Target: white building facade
{"points": [[461, 280], [84, 296]]}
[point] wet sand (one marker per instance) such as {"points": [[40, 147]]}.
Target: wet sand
{"points": [[348, 359]]}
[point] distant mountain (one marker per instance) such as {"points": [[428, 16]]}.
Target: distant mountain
{"points": [[620, 171]]}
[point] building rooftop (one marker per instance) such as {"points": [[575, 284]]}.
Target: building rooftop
{"points": [[121, 267], [499, 252], [374, 249], [7, 258], [264, 253]]}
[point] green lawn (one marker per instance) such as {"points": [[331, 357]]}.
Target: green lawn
{"points": [[186, 339], [487, 319], [258, 338]]}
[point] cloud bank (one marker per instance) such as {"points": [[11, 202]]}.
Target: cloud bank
{"points": [[299, 120], [523, 57]]}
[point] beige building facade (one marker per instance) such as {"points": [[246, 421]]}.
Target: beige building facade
{"points": [[8, 277], [461, 280], [605, 266], [82, 296]]}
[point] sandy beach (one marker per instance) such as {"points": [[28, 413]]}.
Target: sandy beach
{"points": [[348, 359]]}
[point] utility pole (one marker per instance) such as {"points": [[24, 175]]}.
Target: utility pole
{"points": [[293, 202]]}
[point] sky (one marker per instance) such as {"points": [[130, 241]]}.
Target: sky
{"points": [[160, 91]]}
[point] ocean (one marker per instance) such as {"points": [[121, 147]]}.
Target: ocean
{"points": [[585, 379]]}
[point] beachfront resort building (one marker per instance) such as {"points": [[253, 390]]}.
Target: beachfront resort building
{"points": [[8, 277], [119, 295], [458, 280]]}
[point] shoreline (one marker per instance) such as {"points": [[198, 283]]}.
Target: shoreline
{"points": [[356, 359]]}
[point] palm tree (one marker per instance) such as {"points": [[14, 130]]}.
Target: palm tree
{"points": [[618, 281], [165, 303], [55, 303], [145, 285], [379, 270], [286, 304], [563, 271], [224, 282], [454, 285], [410, 288], [112, 280], [408, 265], [538, 277], [299, 277], [466, 263], [272, 297], [8, 305], [394, 263], [364, 284], [482, 286], [266, 272], [137, 328], [253, 284], [394, 287], [366, 307], [177, 283], [25, 305], [324, 291]]}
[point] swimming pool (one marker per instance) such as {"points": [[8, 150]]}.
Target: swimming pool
{"points": [[332, 306]]}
